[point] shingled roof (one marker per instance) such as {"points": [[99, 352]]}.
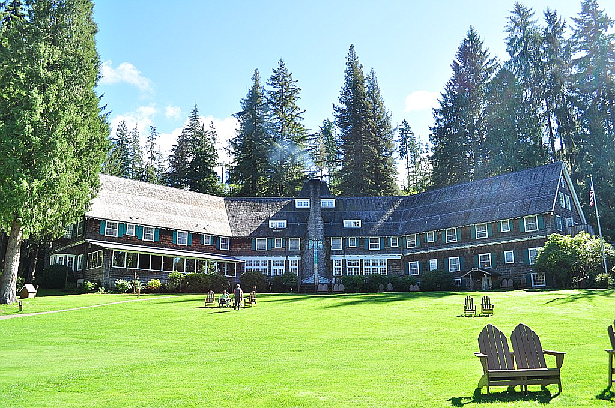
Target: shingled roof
{"points": [[250, 216]]}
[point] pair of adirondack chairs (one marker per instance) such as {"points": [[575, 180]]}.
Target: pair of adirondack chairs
{"points": [[486, 307], [611, 354], [524, 366]]}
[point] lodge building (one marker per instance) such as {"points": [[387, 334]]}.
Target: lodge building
{"points": [[485, 233]]}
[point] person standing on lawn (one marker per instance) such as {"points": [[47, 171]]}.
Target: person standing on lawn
{"points": [[238, 297]]}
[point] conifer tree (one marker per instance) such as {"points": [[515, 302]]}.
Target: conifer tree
{"points": [[202, 177], [409, 150], [136, 155], [182, 152], [118, 159], [324, 150], [152, 170]]}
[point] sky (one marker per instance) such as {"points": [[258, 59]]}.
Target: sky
{"points": [[160, 58]]}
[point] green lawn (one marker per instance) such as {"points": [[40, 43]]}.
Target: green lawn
{"points": [[392, 349]]}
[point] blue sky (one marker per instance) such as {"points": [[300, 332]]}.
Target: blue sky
{"points": [[160, 58]]}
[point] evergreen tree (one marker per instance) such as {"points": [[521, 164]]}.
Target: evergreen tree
{"points": [[202, 177], [182, 152], [251, 146], [409, 150], [458, 134], [324, 150], [152, 171], [136, 155], [118, 160], [287, 167], [53, 136]]}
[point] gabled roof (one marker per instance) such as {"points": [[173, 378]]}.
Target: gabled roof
{"points": [[250, 217]]}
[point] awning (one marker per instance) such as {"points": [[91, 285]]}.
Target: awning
{"points": [[479, 271], [163, 251]]}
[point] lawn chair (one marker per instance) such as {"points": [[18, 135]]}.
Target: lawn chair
{"points": [[529, 356], [251, 299], [209, 298], [611, 353], [224, 301], [469, 309], [486, 307], [497, 360]]}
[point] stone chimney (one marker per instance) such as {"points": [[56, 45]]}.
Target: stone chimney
{"points": [[313, 250]]}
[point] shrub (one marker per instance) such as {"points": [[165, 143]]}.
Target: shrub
{"points": [[217, 282], [196, 282], [54, 277], [402, 283], [174, 281], [353, 283], [90, 286], [122, 286], [282, 283], [154, 285], [251, 279], [437, 280], [373, 282]]}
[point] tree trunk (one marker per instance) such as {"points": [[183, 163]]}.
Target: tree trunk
{"points": [[34, 250], [8, 280]]}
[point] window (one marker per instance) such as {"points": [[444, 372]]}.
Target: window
{"points": [[225, 243], [569, 222], [68, 232], [130, 230], [207, 240], [394, 242], [458, 282], [505, 226], [375, 266], [148, 233], [431, 236], [352, 223], [481, 231], [277, 224], [80, 228], [451, 235], [568, 202], [132, 260], [337, 267], [509, 257], [277, 243], [531, 223], [453, 264], [156, 263], [302, 203], [257, 265], [277, 267], [374, 243], [261, 244], [182, 237], [336, 244], [327, 203], [144, 261], [111, 229], [178, 264], [353, 242], [119, 259], [413, 268], [559, 224], [411, 241], [294, 244], [532, 254], [167, 264], [538, 279], [95, 259], [353, 267], [562, 200], [433, 264], [484, 260], [294, 266]]}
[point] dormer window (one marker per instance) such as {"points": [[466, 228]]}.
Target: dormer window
{"points": [[277, 224], [352, 223], [481, 231], [302, 203], [430, 236], [327, 203], [451, 235], [411, 241]]}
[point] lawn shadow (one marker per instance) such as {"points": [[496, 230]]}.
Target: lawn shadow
{"points": [[582, 294], [606, 395], [543, 396], [351, 299]]}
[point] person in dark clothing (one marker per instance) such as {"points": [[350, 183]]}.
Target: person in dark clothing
{"points": [[238, 297]]}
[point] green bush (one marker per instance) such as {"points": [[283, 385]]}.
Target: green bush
{"points": [[282, 283], [196, 283], [217, 282], [122, 286], [91, 286], [353, 283], [373, 282], [403, 283], [54, 277], [154, 285], [437, 280], [250, 279], [174, 281]]}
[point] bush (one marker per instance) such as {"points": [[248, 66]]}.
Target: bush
{"points": [[604, 281], [402, 283], [54, 277], [217, 282], [154, 285], [373, 282], [282, 283], [250, 279], [122, 286], [437, 280], [353, 283], [196, 283], [175, 281]]}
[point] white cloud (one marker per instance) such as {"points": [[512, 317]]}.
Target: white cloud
{"points": [[421, 100], [173, 112], [124, 73], [141, 119]]}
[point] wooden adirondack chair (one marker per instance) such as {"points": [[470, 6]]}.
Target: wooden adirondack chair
{"points": [[611, 354], [469, 309], [209, 298], [529, 356], [497, 360], [486, 307]]}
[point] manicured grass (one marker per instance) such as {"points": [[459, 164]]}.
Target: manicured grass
{"points": [[391, 349]]}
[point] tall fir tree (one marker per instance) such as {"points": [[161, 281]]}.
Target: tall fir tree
{"points": [[182, 152], [251, 146], [324, 150], [287, 168], [118, 160], [152, 170], [135, 154], [409, 150], [53, 135], [202, 177]]}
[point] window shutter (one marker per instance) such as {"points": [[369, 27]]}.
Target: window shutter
{"points": [[526, 256], [418, 240], [489, 230], [121, 229], [253, 244], [217, 241], [461, 263], [202, 239], [367, 243], [103, 227], [283, 243], [458, 233], [541, 222], [511, 225], [139, 231], [476, 261], [269, 243], [403, 242], [420, 267], [156, 234], [473, 231], [174, 237], [382, 242], [528, 280], [522, 224], [444, 236], [494, 259], [190, 238]]}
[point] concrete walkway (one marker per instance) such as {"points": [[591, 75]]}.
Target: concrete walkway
{"points": [[5, 317]]}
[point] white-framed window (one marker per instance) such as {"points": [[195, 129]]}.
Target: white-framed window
{"points": [[562, 199], [68, 233], [374, 266], [294, 244], [433, 264], [336, 243], [531, 223], [559, 224], [411, 241], [277, 224], [182, 238], [132, 261], [430, 236], [148, 233], [451, 235], [538, 279], [509, 257], [95, 259], [327, 203], [484, 260], [453, 264], [569, 222], [458, 282], [481, 231], [261, 244], [302, 203], [277, 267], [131, 230], [293, 266], [532, 254], [257, 265], [505, 226], [353, 267], [352, 223], [225, 243], [111, 228], [413, 267], [337, 267], [394, 242], [568, 202], [277, 243], [207, 239], [119, 259], [374, 243], [353, 242]]}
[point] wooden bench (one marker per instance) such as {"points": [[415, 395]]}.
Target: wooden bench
{"points": [[469, 308], [210, 298], [486, 307], [611, 354]]}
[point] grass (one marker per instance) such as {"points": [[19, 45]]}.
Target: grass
{"points": [[389, 349]]}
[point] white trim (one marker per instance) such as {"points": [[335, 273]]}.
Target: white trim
{"points": [[507, 225], [277, 224], [302, 203], [327, 203], [513, 257], [486, 232], [369, 244], [455, 247], [525, 223], [418, 268], [375, 256], [352, 223], [356, 242], [177, 237], [488, 255], [336, 240], [153, 234], [277, 241], [113, 233], [458, 264], [258, 247]]}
